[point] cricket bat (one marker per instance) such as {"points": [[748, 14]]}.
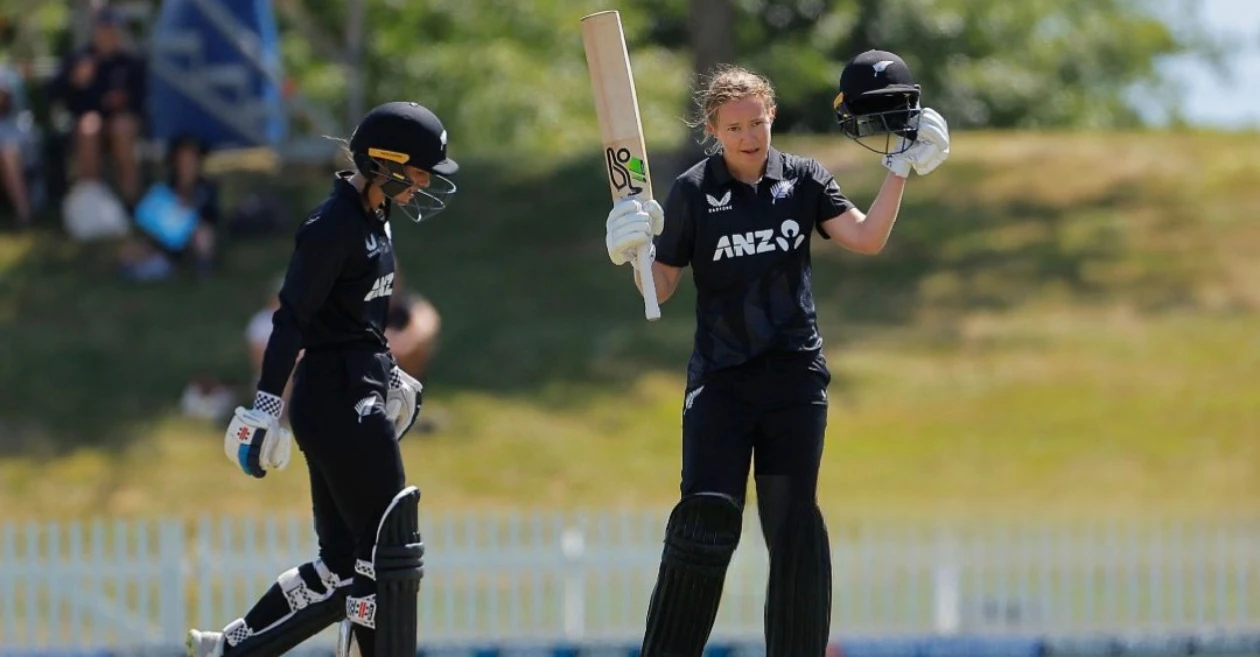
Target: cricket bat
{"points": [[617, 108]]}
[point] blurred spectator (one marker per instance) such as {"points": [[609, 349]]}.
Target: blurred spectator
{"points": [[102, 85], [16, 142], [412, 330], [178, 218], [207, 398]]}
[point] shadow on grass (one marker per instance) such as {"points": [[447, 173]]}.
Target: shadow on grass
{"points": [[530, 305]]}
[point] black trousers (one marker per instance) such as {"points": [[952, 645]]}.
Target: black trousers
{"points": [[337, 411], [770, 417]]}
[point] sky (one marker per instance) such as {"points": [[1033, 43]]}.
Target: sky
{"points": [[1228, 103]]}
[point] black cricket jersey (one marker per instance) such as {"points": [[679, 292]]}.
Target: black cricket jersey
{"points": [[748, 249], [337, 287]]}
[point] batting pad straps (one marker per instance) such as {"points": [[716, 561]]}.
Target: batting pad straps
{"points": [[236, 632], [700, 537], [287, 633], [308, 583], [362, 610]]}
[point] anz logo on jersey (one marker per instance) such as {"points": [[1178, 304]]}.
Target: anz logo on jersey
{"points": [[738, 245], [383, 287]]}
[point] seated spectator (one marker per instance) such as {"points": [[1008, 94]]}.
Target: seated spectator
{"points": [[177, 218], [412, 330], [103, 87], [16, 138]]}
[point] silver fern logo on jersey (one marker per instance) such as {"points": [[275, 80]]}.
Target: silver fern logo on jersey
{"points": [[782, 189], [691, 398], [364, 407]]}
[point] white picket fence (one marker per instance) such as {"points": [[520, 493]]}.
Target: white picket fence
{"points": [[136, 583]]}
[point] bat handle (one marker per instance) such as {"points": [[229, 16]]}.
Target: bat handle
{"points": [[651, 309]]}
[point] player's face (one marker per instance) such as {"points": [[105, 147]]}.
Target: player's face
{"points": [[742, 126], [419, 180]]}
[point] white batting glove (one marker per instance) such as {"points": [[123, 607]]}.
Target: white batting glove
{"points": [[932, 143], [254, 440], [402, 402], [631, 226], [899, 162], [929, 150]]}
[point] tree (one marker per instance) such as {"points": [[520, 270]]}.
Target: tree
{"points": [[510, 76]]}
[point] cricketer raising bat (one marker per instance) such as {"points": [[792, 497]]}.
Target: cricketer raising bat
{"points": [[617, 108]]}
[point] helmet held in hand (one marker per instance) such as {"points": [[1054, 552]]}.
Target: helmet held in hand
{"points": [[878, 102]]}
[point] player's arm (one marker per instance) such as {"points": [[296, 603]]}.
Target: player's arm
{"points": [[674, 243], [254, 439], [868, 232], [857, 231], [318, 255], [666, 278]]}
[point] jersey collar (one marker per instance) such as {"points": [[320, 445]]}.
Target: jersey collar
{"points": [[345, 188], [721, 175]]}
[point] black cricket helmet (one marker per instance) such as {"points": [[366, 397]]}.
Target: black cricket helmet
{"points": [[395, 135], [878, 102]]}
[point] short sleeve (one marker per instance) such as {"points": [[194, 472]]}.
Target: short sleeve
{"points": [[831, 200], [676, 242]]}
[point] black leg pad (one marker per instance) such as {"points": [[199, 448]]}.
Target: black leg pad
{"points": [[702, 534], [399, 563], [798, 594]]}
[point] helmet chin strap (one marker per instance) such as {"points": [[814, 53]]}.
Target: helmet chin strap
{"points": [[381, 209]]}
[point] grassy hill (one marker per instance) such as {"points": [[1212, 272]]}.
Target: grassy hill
{"points": [[1062, 323]]}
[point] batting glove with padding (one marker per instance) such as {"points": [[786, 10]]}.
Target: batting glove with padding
{"points": [[929, 150], [631, 225], [403, 401], [254, 439]]}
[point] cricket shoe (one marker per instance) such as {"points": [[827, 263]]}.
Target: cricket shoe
{"points": [[204, 644]]}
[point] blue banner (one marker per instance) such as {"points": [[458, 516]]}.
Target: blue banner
{"points": [[215, 73]]}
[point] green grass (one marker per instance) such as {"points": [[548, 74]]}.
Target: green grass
{"points": [[1062, 324]]}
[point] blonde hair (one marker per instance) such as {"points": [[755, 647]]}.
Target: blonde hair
{"points": [[727, 83], [343, 149]]}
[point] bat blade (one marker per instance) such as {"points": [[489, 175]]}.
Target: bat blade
{"points": [[620, 126]]}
